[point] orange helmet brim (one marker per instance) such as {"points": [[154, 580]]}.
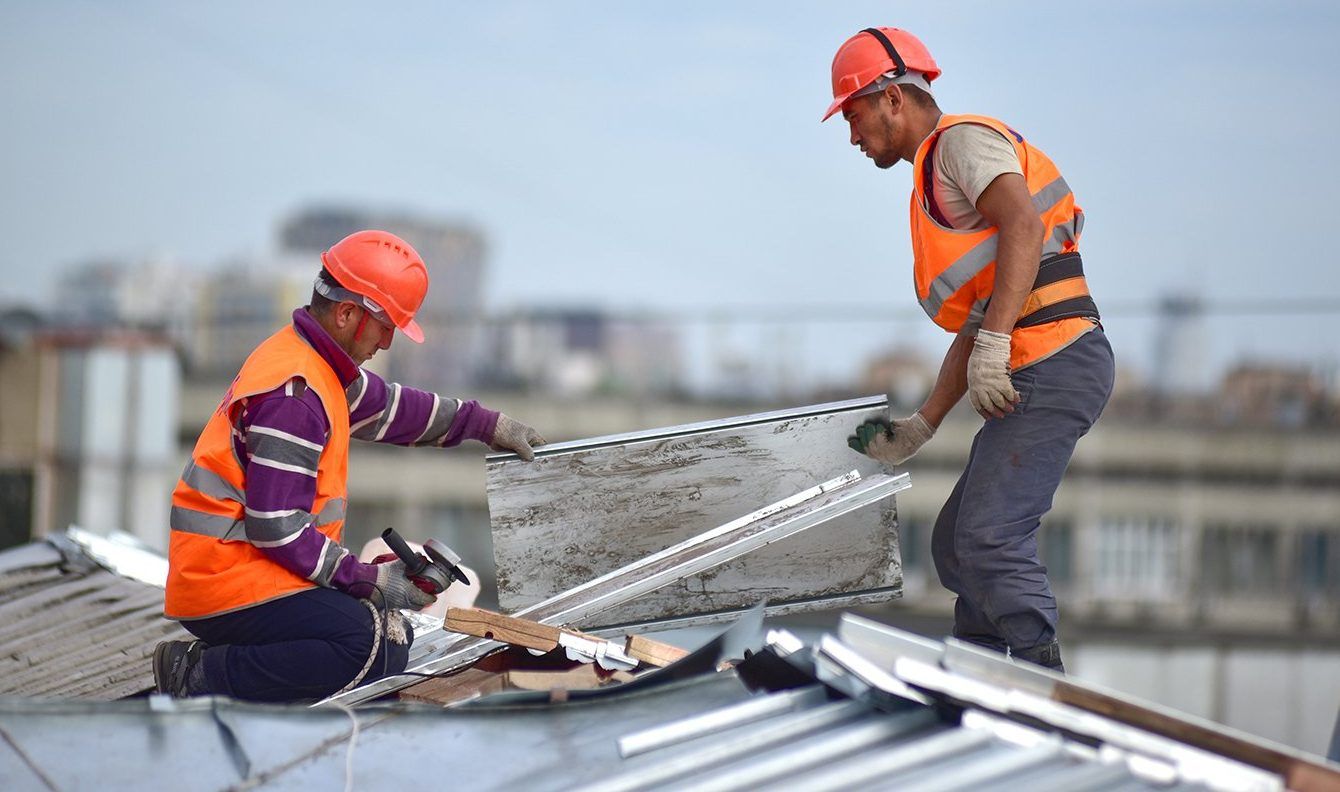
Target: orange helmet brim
{"points": [[412, 331]]}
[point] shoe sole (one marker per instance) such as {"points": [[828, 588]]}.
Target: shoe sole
{"points": [[160, 667]]}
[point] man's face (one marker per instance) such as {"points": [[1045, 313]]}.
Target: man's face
{"points": [[872, 123], [376, 335]]}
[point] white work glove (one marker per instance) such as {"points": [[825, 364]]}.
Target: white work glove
{"points": [[512, 435], [989, 386], [394, 590], [892, 444]]}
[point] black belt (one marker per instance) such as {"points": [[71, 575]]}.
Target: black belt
{"points": [[1059, 292]]}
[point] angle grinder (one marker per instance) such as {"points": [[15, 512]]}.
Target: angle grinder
{"points": [[439, 567]]}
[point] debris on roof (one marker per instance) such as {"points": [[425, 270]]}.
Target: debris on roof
{"points": [[437, 652], [79, 617]]}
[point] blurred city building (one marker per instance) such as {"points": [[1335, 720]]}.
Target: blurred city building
{"points": [[239, 304], [577, 351], [155, 293], [88, 431], [1180, 347]]}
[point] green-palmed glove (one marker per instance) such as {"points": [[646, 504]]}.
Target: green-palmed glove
{"points": [[512, 435], [989, 387], [892, 443]]}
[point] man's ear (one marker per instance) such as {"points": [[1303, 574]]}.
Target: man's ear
{"points": [[343, 314], [895, 94]]}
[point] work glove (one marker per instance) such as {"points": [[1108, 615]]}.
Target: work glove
{"points": [[394, 590], [425, 585], [989, 387], [512, 435], [892, 444]]}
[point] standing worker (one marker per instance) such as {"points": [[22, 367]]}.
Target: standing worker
{"points": [[995, 245], [256, 570]]}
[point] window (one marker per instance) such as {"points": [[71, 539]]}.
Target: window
{"points": [[16, 507], [912, 541], [1240, 559], [1319, 562], [1136, 559], [1056, 547]]}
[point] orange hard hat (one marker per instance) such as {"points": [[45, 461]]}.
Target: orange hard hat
{"points": [[875, 51], [385, 272]]}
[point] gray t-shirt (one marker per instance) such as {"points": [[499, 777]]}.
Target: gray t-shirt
{"points": [[968, 157]]}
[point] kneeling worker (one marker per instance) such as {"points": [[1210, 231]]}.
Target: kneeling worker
{"points": [[256, 570]]}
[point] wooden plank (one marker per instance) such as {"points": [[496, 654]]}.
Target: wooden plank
{"points": [[653, 652], [583, 677], [505, 629], [584, 509], [459, 686], [1299, 772]]}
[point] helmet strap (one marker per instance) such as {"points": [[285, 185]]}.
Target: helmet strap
{"points": [[900, 68]]}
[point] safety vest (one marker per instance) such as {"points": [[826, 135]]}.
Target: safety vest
{"points": [[212, 568], [955, 270]]}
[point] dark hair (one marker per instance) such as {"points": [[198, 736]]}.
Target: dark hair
{"points": [[320, 305], [919, 97]]}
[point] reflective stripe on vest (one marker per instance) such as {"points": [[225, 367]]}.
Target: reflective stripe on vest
{"points": [[230, 529], [971, 264]]}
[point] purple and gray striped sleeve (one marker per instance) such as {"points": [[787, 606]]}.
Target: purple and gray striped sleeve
{"points": [[282, 436], [383, 412]]}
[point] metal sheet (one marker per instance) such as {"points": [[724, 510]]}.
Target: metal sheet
{"points": [[793, 515], [583, 509]]}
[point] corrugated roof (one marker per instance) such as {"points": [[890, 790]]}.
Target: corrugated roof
{"points": [[70, 627]]}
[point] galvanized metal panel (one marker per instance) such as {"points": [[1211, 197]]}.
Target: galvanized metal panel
{"points": [[585, 508]]}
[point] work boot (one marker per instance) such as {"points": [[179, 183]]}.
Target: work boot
{"points": [[177, 669], [1047, 655]]}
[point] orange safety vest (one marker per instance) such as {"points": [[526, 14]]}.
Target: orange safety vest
{"points": [[212, 568], [955, 271]]}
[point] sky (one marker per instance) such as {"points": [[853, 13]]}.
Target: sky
{"points": [[669, 156]]}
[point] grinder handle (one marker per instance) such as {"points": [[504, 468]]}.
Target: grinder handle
{"points": [[414, 563]]}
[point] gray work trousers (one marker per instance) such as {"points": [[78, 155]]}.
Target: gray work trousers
{"points": [[985, 540]]}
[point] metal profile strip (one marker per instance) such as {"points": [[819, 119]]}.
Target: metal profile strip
{"points": [[772, 523], [882, 644], [784, 729], [834, 748], [686, 430], [750, 711], [869, 673]]}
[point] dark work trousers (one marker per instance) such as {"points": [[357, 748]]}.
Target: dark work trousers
{"points": [[985, 539], [302, 647]]}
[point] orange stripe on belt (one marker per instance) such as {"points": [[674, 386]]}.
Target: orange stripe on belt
{"points": [[1054, 293]]}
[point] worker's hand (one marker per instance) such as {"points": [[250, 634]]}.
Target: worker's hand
{"points": [[394, 590], [512, 435], [989, 387], [892, 444]]}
